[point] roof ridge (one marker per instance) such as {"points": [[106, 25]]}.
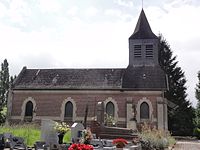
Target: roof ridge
{"points": [[76, 68]]}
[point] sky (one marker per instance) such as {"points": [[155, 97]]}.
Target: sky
{"points": [[94, 33]]}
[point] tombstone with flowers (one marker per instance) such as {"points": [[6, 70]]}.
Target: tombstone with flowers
{"points": [[61, 129], [86, 136]]}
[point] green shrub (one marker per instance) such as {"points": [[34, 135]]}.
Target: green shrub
{"points": [[196, 132], [155, 139]]}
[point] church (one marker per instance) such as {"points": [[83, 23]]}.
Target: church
{"points": [[64, 94]]}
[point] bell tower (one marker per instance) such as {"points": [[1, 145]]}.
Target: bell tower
{"points": [[143, 71], [143, 44]]}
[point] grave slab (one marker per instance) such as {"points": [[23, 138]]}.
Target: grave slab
{"points": [[48, 133]]}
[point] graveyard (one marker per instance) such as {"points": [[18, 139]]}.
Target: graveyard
{"points": [[95, 136]]}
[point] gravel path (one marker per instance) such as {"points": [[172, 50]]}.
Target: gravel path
{"points": [[187, 145]]}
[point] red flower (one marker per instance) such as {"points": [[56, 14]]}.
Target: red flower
{"points": [[120, 142], [80, 147]]}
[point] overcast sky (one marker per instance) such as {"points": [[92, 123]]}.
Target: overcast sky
{"points": [[94, 33]]}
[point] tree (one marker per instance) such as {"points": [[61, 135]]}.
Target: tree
{"points": [[4, 87], [12, 78], [180, 118], [197, 94], [197, 90]]}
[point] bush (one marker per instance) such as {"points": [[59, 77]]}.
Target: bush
{"points": [[155, 139], [3, 115], [196, 132]]}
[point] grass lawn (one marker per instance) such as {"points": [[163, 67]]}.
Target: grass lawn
{"points": [[30, 133]]}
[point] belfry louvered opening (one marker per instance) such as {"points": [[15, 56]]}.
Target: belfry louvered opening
{"points": [[149, 51], [137, 51]]}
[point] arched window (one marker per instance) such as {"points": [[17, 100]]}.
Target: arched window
{"points": [[144, 111], [28, 111], [110, 109], [68, 110]]}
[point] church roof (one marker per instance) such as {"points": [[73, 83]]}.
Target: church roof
{"points": [[144, 77], [143, 29], [69, 79], [80, 79]]}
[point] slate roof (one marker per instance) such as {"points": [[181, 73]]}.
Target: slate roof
{"points": [[101, 79], [69, 79], [144, 77], [143, 29]]}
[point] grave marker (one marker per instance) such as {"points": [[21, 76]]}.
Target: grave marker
{"points": [[100, 112], [48, 133], [76, 131]]}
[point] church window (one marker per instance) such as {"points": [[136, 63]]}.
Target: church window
{"points": [[110, 109], [144, 111], [149, 51], [29, 111], [68, 110], [137, 51]]}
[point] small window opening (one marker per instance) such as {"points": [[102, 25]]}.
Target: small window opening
{"points": [[137, 51], [149, 51]]}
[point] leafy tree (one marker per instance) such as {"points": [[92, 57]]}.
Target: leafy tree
{"points": [[4, 87], [180, 117], [197, 94]]}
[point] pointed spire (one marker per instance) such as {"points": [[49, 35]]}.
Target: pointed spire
{"points": [[143, 29]]}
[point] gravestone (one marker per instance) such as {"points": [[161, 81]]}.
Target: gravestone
{"points": [[100, 112], [48, 133], [97, 143], [17, 143], [1, 142], [7, 138], [131, 114], [40, 145], [76, 132]]}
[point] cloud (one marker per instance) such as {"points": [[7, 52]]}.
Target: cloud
{"points": [[73, 11], [51, 6], [117, 15], [3, 10], [91, 11], [126, 3], [15, 12], [178, 3]]}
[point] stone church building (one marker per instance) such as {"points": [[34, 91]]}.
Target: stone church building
{"points": [[63, 94]]}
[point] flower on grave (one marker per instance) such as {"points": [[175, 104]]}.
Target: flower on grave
{"points": [[80, 147], [109, 120], [120, 142], [136, 140], [61, 128], [86, 136]]}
